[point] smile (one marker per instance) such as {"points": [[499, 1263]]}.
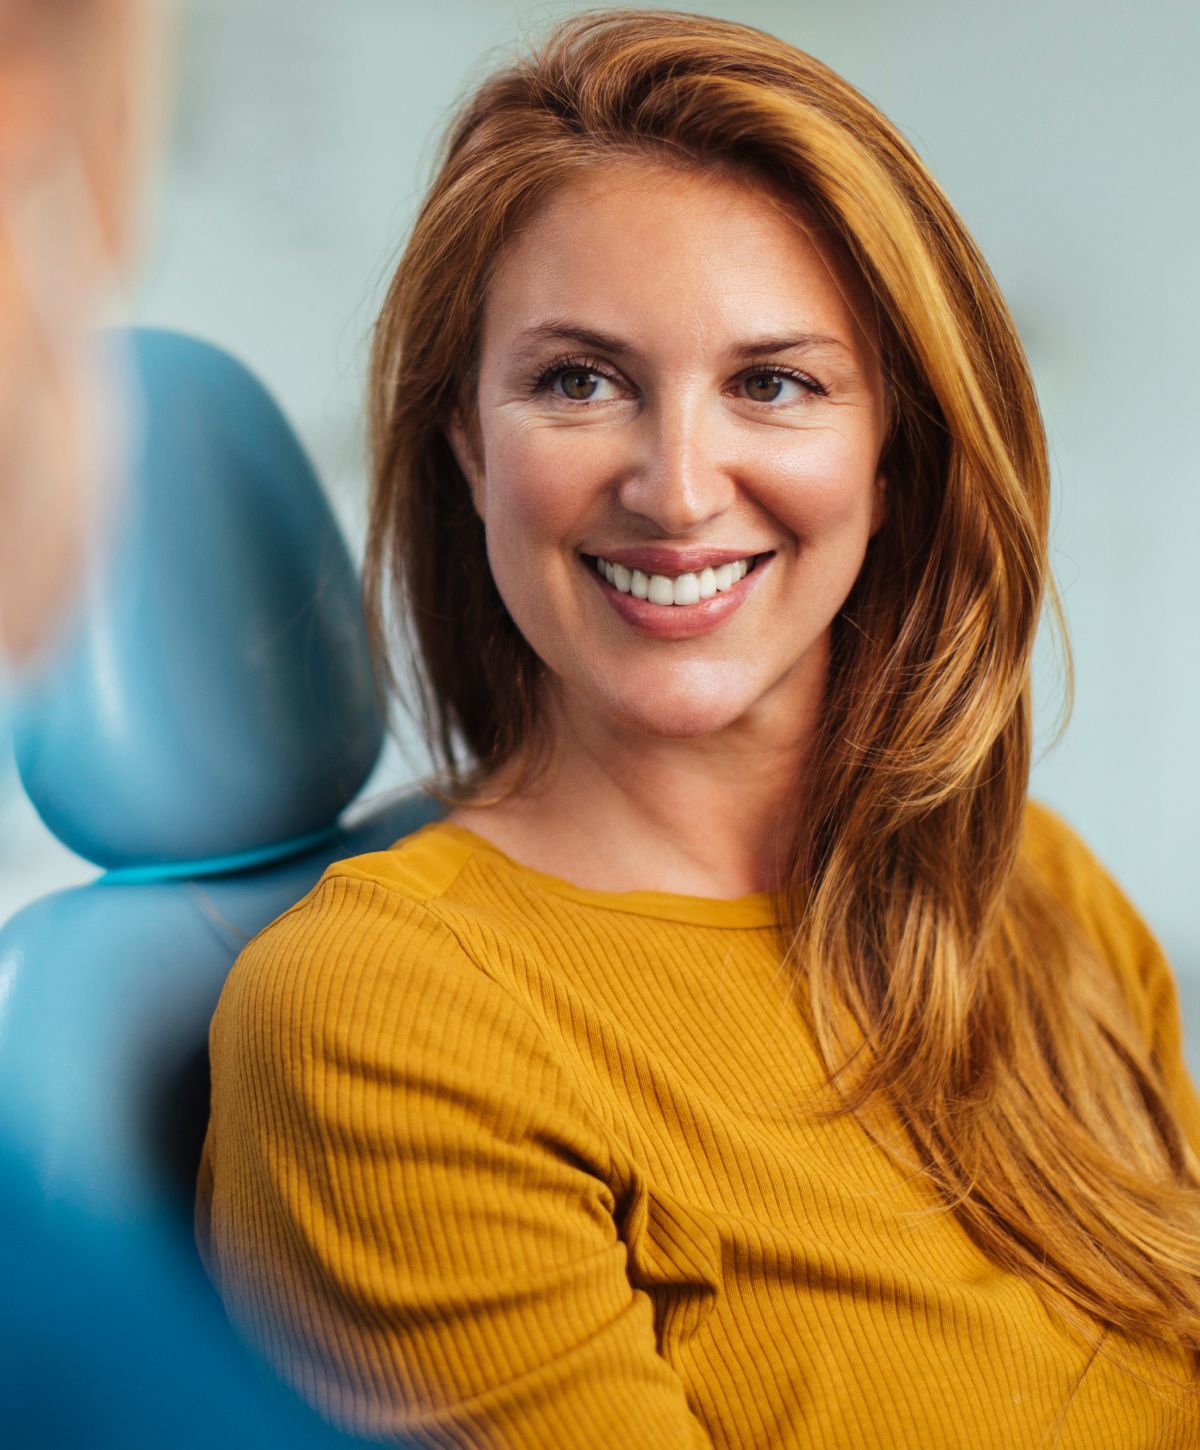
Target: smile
{"points": [[675, 589], [677, 606]]}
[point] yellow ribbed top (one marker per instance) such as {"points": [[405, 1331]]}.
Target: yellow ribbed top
{"points": [[495, 1160]]}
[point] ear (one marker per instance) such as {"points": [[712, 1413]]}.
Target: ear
{"points": [[460, 446], [878, 505]]}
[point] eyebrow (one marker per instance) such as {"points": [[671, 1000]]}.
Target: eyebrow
{"points": [[555, 329]]}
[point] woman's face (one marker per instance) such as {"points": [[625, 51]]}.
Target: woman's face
{"points": [[671, 381]]}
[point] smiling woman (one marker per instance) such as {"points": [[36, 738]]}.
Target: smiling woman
{"points": [[745, 1060], [732, 410]]}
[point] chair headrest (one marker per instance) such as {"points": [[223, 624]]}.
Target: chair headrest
{"points": [[214, 697]]}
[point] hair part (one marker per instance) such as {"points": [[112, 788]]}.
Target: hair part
{"points": [[942, 983]]}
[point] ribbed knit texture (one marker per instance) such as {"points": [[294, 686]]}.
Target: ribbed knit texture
{"points": [[499, 1161]]}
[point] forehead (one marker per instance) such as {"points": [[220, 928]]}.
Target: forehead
{"points": [[660, 254]]}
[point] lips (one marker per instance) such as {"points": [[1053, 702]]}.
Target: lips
{"points": [[677, 619]]}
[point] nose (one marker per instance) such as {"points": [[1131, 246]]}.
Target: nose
{"points": [[678, 482]]}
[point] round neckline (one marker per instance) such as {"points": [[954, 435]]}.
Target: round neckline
{"points": [[756, 909]]}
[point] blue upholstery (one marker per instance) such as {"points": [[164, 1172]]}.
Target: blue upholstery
{"points": [[108, 1339], [216, 696], [200, 737]]}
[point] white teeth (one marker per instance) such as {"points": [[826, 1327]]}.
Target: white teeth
{"points": [[680, 589], [687, 589], [660, 590]]}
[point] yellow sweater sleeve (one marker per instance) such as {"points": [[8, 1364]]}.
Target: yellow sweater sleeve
{"points": [[402, 1197]]}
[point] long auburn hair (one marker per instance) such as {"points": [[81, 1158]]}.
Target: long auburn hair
{"points": [[943, 981]]}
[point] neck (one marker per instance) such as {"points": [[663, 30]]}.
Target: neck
{"points": [[619, 811]]}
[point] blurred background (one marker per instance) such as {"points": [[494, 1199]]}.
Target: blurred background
{"points": [[1063, 133]]}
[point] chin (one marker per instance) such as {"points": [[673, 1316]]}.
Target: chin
{"points": [[677, 710]]}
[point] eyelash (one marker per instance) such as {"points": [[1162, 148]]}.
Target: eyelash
{"points": [[541, 383]]}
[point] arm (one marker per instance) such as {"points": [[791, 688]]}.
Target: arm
{"points": [[402, 1198]]}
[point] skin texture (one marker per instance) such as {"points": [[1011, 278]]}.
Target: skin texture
{"points": [[673, 761]]}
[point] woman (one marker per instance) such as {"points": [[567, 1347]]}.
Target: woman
{"points": [[744, 1060]]}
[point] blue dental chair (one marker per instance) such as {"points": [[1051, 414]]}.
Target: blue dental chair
{"points": [[200, 737]]}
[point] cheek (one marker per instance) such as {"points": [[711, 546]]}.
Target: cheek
{"points": [[538, 495], [536, 501], [826, 496]]}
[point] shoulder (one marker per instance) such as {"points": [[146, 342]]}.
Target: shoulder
{"points": [[421, 867], [370, 943], [1082, 886], [1078, 879], [397, 893], [365, 999]]}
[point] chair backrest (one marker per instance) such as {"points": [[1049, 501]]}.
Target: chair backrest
{"points": [[200, 737]]}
